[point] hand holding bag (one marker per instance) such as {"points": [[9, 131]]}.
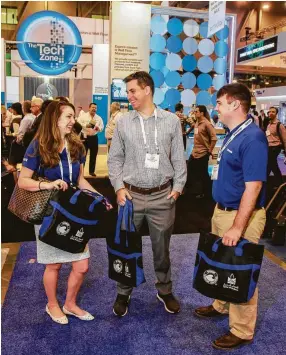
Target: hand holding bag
{"points": [[227, 273], [30, 206], [125, 250], [72, 219]]}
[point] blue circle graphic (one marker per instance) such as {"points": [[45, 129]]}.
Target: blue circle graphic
{"points": [[188, 80], [221, 48], [220, 65], [173, 61], [205, 64], [206, 46], [173, 79], [173, 96], [223, 33], [204, 81], [189, 63], [204, 29], [214, 96], [165, 71], [190, 45], [158, 78], [175, 26], [157, 61], [53, 56], [157, 43], [174, 44], [158, 96], [158, 25], [203, 98], [191, 28], [219, 81], [188, 97]]}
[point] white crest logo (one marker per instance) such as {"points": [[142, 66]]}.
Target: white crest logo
{"points": [[117, 266], [231, 280], [210, 277], [80, 233], [63, 228]]}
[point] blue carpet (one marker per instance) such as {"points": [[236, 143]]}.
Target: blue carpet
{"points": [[147, 329]]}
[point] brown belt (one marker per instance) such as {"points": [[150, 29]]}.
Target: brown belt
{"points": [[144, 191]]}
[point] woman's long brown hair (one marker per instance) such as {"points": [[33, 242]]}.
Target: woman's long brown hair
{"points": [[49, 137]]}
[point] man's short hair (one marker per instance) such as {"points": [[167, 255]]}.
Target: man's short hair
{"points": [[92, 103], [237, 91], [275, 108], [143, 79], [37, 101], [179, 107]]}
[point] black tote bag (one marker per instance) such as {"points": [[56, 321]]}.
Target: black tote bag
{"points": [[72, 219], [125, 250], [227, 273]]}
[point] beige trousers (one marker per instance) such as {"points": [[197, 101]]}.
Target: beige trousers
{"points": [[242, 317]]}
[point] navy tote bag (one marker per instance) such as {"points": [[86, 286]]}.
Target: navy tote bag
{"points": [[227, 273], [72, 219], [125, 250]]}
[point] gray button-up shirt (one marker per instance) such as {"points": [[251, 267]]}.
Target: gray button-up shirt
{"points": [[126, 161]]}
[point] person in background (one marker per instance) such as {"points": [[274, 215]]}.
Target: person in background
{"points": [[45, 105], [276, 137], [36, 110], [146, 154], [239, 191], [26, 122], [263, 119], [16, 109], [115, 114], [256, 119], [179, 111], [91, 124], [204, 142], [61, 154]]}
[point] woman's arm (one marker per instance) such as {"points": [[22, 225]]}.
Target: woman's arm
{"points": [[26, 182]]}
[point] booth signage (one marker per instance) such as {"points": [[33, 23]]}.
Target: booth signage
{"points": [[46, 91], [258, 49], [50, 42], [216, 17]]}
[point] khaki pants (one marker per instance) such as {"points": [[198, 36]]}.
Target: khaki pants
{"points": [[242, 317]]}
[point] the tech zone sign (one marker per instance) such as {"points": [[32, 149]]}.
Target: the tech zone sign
{"points": [[49, 42]]}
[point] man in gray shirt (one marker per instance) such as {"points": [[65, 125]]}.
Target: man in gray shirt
{"points": [[147, 165]]}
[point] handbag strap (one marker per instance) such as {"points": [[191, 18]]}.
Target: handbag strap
{"points": [[73, 199], [118, 225], [216, 245], [126, 214], [95, 202], [238, 250]]}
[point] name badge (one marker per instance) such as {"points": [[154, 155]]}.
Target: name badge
{"points": [[215, 172], [267, 133], [152, 161], [196, 131]]}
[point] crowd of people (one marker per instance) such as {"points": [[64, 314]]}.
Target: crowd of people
{"points": [[147, 165]]}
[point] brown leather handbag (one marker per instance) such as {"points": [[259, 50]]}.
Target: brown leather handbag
{"points": [[30, 206]]}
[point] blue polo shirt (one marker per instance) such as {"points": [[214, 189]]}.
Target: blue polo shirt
{"points": [[244, 159]]}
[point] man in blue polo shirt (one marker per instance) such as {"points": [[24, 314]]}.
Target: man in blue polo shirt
{"points": [[239, 190]]}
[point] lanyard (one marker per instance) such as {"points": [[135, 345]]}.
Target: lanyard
{"points": [[69, 164], [236, 133], [144, 134]]}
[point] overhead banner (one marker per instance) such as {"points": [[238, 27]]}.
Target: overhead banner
{"points": [[100, 61], [92, 31], [50, 42], [257, 50], [3, 72], [216, 16], [130, 37]]}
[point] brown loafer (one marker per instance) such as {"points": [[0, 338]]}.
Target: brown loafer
{"points": [[208, 312], [230, 341]]}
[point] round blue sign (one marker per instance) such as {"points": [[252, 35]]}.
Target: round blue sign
{"points": [[50, 42]]}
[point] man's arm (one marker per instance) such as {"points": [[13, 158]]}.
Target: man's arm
{"points": [[246, 208], [99, 124], [213, 137], [178, 161]]}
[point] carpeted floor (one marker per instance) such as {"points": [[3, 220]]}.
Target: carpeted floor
{"points": [[147, 329]]}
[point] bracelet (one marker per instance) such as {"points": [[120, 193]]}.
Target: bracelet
{"points": [[40, 185]]}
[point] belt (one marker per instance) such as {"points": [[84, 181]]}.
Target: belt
{"points": [[228, 209], [146, 191]]}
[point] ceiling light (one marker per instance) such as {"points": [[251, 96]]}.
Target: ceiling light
{"points": [[266, 83], [265, 6]]}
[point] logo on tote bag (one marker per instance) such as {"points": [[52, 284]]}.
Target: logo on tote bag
{"points": [[117, 266], [63, 228], [210, 277]]}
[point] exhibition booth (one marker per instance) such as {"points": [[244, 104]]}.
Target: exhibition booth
{"points": [[67, 56]]}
